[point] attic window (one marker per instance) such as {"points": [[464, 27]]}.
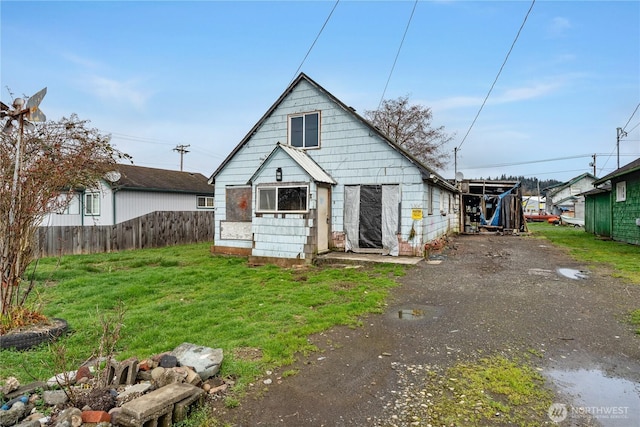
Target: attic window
{"points": [[304, 130]]}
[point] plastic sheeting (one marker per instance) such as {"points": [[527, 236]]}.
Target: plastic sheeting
{"points": [[371, 217], [351, 217], [390, 204]]}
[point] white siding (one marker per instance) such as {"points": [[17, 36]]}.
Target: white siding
{"points": [[132, 204], [349, 152]]}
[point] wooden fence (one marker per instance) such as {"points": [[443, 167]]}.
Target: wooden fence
{"points": [[157, 229]]}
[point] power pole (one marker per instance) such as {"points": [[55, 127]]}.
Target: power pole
{"points": [[182, 149], [593, 164], [619, 134]]}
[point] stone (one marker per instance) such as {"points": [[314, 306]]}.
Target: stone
{"points": [[192, 377], [27, 389], [55, 397], [95, 417], [11, 384], [132, 392], [203, 360], [29, 423], [69, 417], [62, 379], [168, 361], [12, 415]]}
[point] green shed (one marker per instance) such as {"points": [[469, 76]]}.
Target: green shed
{"points": [[597, 211], [625, 202]]}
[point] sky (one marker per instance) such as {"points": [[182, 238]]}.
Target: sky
{"points": [[524, 88]]}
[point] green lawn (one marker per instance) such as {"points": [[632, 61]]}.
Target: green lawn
{"points": [[185, 294], [622, 257]]}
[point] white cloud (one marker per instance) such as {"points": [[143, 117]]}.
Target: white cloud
{"points": [[558, 27], [119, 91]]}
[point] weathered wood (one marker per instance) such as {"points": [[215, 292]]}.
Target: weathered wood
{"points": [[157, 229]]}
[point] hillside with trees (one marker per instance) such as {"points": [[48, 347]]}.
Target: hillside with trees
{"points": [[530, 186]]}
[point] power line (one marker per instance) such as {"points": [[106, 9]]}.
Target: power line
{"points": [[314, 42], [632, 114], [398, 53], [497, 76], [531, 162]]}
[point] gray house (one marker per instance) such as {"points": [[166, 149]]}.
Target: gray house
{"points": [[131, 191], [313, 176]]}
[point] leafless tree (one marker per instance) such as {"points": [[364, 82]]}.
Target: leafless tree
{"points": [[409, 126], [39, 168]]}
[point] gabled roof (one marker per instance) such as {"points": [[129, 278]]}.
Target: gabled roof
{"points": [[626, 169], [140, 178], [556, 188], [303, 160], [427, 173]]}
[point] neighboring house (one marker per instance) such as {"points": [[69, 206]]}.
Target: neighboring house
{"points": [[567, 198], [312, 176], [624, 202], [132, 191]]}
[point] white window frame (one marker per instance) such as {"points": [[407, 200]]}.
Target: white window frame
{"points": [[207, 202], [621, 191], [264, 188], [92, 204], [304, 129]]}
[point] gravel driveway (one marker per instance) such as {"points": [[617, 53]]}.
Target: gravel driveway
{"points": [[489, 294]]}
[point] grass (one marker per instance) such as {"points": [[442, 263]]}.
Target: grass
{"points": [[586, 247], [491, 391], [184, 294]]}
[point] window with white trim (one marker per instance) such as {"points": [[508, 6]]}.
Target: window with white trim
{"points": [[621, 191], [92, 204], [205, 202], [304, 130], [283, 199]]}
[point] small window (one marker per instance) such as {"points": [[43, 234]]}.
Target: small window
{"points": [[205, 202], [621, 191], [283, 199], [304, 130], [92, 204]]}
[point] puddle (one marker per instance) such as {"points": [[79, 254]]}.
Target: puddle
{"points": [[419, 312], [572, 273], [610, 401]]}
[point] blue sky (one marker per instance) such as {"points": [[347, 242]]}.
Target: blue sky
{"points": [[157, 74]]}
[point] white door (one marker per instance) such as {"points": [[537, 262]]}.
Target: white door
{"points": [[323, 219]]}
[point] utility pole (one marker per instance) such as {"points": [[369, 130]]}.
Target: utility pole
{"points": [[182, 149], [455, 161], [619, 135], [593, 164]]}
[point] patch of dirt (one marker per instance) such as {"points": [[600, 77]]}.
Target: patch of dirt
{"points": [[247, 353], [491, 294]]}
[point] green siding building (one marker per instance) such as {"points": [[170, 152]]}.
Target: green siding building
{"points": [[624, 201]]}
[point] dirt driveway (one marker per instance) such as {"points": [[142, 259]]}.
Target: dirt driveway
{"points": [[489, 294]]}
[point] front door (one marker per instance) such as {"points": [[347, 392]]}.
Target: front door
{"points": [[323, 219]]}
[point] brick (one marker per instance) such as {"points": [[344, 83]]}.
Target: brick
{"points": [[95, 417]]}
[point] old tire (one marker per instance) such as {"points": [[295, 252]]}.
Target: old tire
{"points": [[24, 340]]}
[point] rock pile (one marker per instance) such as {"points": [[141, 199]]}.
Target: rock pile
{"points": [[156, 391]]}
